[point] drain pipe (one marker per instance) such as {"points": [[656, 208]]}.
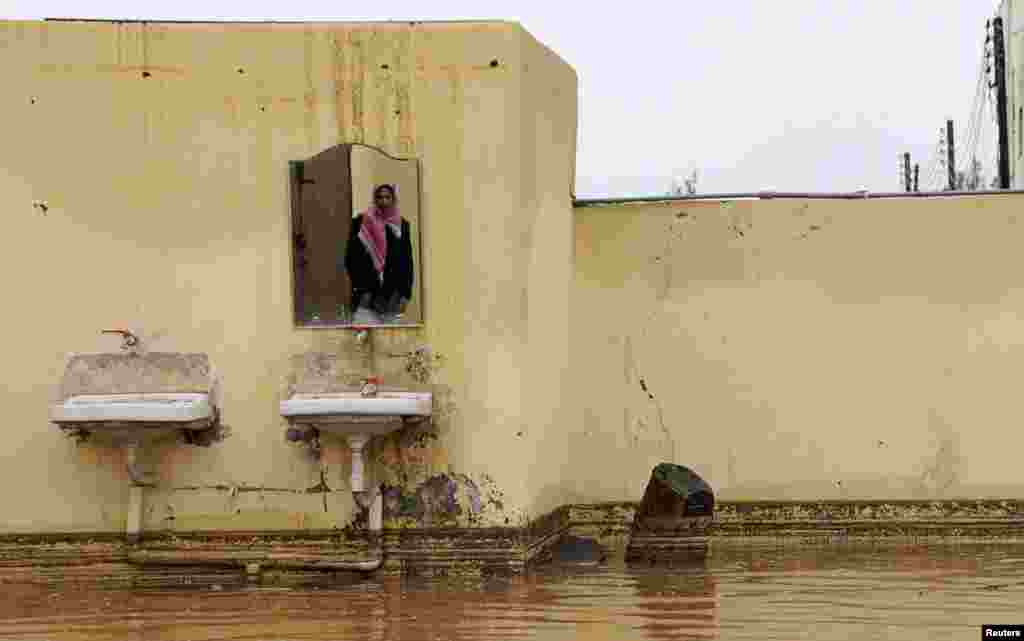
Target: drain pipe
{"points": [[371, 501]]}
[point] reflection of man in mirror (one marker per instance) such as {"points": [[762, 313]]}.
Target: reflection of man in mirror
{"points": [[378, 259]]}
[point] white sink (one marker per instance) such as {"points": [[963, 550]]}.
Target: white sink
{"points": [[131, 400], [130, 408], [353, 404], [357, 418]]}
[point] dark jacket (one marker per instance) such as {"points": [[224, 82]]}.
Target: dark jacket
{"points": [[398, 268]]}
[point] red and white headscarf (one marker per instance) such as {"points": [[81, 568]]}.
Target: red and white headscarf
{"points": [[372, 233]]}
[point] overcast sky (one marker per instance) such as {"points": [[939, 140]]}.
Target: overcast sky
{"points": [[795, 95]]}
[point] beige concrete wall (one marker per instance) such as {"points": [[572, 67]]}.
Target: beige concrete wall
{"points": [[783, 349], [160, 152], [801, 349], [549, 404]]}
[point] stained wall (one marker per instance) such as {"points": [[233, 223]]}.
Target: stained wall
{"points": [[800, 349], [144, 183]]}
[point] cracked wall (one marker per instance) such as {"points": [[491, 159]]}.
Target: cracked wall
{"points": [[169, 213], [800, 349]]}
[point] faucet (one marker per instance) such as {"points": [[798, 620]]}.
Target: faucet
{"points": [[130, 339], [369, 387], [362, 335]]}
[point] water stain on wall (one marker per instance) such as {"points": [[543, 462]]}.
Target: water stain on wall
{"points": [[945, 467]]}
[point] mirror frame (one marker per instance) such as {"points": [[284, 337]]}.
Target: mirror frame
{"points": [[295, 175]]}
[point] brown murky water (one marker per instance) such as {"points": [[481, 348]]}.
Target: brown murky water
{"points": [[804, 593]]}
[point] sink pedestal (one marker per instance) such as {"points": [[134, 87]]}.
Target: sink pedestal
{"points": [[357, 419], [357, 442]]}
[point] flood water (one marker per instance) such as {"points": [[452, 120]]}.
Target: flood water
{"points": [[780, 593]]}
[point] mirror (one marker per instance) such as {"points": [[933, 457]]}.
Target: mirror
{"points": [[356, 238]]}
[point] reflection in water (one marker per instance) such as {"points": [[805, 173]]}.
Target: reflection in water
{"points": [[805, 593]]}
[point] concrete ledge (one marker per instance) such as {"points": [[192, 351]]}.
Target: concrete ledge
{"points": [[759, 523], [176, 558]]}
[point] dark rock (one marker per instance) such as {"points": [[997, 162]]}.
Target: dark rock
{"points": [[675, 492], [671, 523]]}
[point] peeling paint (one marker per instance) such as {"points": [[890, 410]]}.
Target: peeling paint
{"points": [[440, 501]]}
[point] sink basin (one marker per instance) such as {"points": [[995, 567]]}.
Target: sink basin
{"points": [[132, 397], [157, 408], [356, 417], [389, 404]]}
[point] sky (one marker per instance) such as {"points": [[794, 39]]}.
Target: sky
{"points": [[787, 95]]}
